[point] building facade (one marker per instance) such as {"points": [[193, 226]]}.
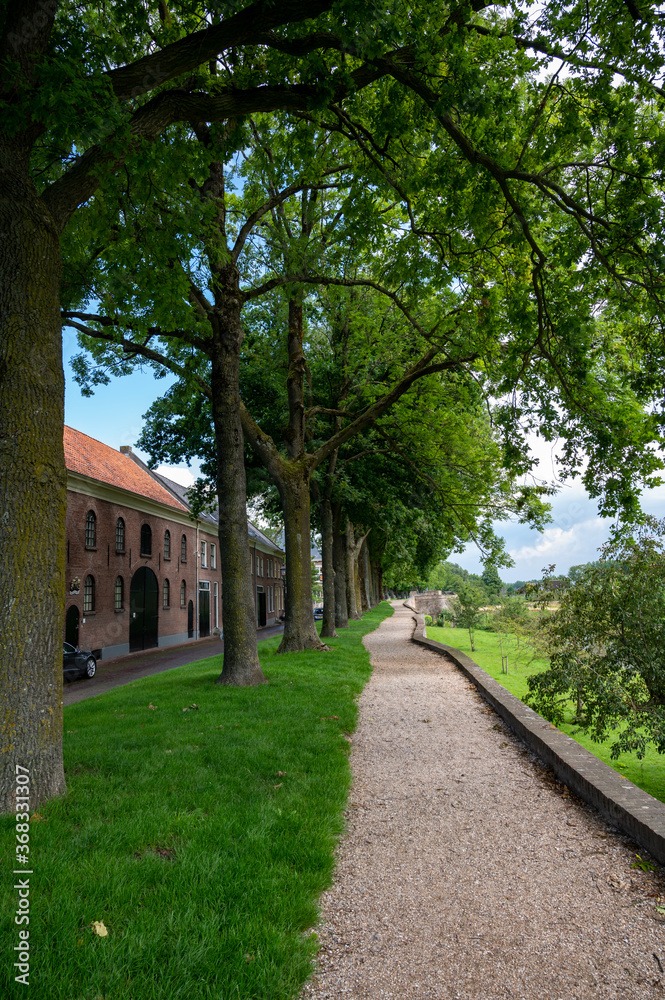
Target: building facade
{"points": [[141, 571]]}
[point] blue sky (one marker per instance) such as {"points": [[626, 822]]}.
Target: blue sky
{"points": [[114, 416], [574, 535]]}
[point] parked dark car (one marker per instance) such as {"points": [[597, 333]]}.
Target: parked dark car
{"points": [[77, 662], [318, 614]]}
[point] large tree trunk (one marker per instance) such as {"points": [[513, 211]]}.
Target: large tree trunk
{"points": [[33, 490], [361, 588], [374, 581], [328, 570], [241, 660], [299, 629], [293, 483], [350, 543], [367, 582], [339, 560]]}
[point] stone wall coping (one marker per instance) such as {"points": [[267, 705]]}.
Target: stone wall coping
{"points": [[628, 807]]}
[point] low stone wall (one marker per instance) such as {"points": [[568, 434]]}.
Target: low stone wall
{"points": [[634, 811], [431, 602]]}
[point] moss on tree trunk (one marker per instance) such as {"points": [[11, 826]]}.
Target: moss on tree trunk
{"points": [[33, 492], [299, 628], [241, 660], [366, 575], [349, 553]]}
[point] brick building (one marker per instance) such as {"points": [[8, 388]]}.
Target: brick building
{"points": [[141, 571]]}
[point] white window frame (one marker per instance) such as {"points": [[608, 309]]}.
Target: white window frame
{"points": [[213, 556], [204, 555]]}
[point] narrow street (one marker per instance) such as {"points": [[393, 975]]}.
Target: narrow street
{"points": [[125, 669]]}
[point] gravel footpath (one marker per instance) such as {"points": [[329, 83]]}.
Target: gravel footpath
{"points": [[467, 871]]}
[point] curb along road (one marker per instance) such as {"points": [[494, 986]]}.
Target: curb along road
{"points": [[125, 669], [630, 808]]}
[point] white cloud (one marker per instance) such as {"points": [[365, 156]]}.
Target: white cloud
{"points": [[564, 548], [177, 473]]}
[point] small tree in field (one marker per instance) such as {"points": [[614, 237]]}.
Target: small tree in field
{"points": [[606, 645], [511, 621], [466, 607]]}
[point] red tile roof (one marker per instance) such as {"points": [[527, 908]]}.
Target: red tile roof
{"points": [[98, 461]]}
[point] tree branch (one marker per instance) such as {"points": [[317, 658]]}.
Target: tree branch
{"points": [[306, 44], [196, 49], [543, 46], [322, 279], [69, 318], [262, 443], [141, 350], [422, 368], [277, 199], [81, 180], [331, 413]]}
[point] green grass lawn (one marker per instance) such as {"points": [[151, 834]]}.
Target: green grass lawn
{"points": [[648, 774], [199, 828]]}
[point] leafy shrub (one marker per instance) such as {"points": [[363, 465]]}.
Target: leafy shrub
{"points": [[606, 645]]}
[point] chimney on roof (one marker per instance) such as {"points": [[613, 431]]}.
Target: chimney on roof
{"points": [[125, 449]]}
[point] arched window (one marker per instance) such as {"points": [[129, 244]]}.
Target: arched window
{"points": [[183, 549], [90, 530], [183, 594], [167, 593], [120, 535], [119, 593], [146, 540], [89, 594], [167, 544]]}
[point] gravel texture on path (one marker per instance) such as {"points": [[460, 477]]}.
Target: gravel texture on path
{"points": [[467, 870]]}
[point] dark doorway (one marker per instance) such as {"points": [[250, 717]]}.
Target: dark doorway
{"points": [[261, 608], [72, 626], [204, 613], [143, 605], [190, 619]]}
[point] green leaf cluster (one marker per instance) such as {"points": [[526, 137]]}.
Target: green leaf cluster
{"points": [[606, 644]]}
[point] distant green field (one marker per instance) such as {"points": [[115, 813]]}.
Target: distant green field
{"points": [[648, 774]]}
